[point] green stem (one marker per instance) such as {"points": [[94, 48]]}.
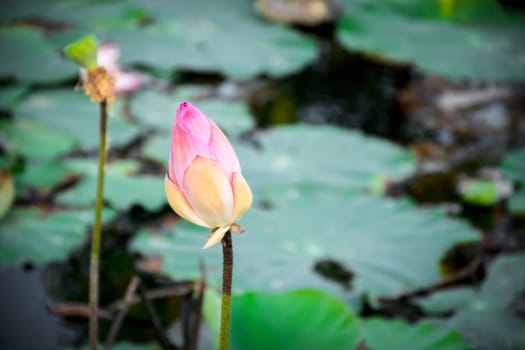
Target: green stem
{"points": [[227, 267], [95, 239]]}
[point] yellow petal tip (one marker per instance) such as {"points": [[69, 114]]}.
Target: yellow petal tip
{"points": [[216, 236]]}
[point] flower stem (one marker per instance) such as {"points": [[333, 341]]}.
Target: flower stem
{"points": [[95, 239], [227, 267]]}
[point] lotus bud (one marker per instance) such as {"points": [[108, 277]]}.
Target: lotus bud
{"points": [[204, 184]]}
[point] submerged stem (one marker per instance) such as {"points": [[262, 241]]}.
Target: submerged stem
{"points": [[227, 267], [95, 239]]}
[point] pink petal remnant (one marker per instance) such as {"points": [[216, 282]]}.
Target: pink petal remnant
{"points": [[128, 81], [204, 184], [108, 55]]}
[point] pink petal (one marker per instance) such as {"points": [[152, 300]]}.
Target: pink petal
{"points": [[193, 121], [185, 147], [129, 81], [224, 152], [171, 168], [107, 57]]}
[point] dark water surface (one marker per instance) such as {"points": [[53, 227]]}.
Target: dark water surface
{"points": [[25, 322]]}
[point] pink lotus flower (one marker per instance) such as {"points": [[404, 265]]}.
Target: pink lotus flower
{"points": [[127, 81], [204, 184]]}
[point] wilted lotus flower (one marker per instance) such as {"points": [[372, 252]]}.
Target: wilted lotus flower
{"points": [[126, 81], [204, 184]]}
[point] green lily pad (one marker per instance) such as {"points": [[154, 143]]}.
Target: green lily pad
{"points": [[487, 321], [203, 36], [157, 148], [27, 56], [122, 187], [517, 202], [295, 320], [494, 329], [447, 300], [35, 140], [298, 155], [513, 167], [480, 41], [505, 281], [381, 334], [32, 235], [9, 96], [80, 14], [233, 117], [297, 227], [233, 42], [42, 176], [74, 113]]}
